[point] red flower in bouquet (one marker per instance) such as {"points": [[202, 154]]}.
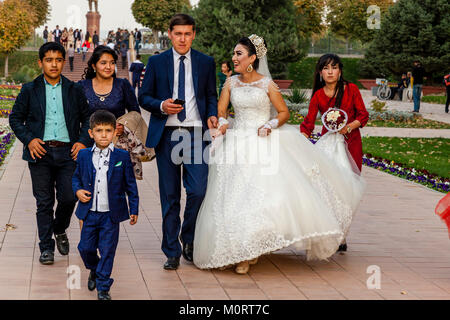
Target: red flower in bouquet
{"points": [[334, 119]]}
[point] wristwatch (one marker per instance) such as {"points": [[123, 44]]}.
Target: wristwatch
{"points": [[349, 129]]}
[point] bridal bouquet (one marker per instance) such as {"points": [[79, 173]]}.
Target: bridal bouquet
{"points": [[334, 119]]}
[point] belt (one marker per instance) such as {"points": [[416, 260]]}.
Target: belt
{"points": [[190, 129], [56, 144]]}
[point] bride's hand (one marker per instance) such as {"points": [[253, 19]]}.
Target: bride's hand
{"points": [[264, 132], [220, 131], [306, 136]]}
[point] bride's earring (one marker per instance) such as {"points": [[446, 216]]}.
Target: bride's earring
{"points": [[249, 68]]}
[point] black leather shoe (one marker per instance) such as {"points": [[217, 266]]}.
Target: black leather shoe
{"points": [[172, 263], [47, 257], [342, 247], [62, 243], [103, 295], [188, 251], [91, 281]]}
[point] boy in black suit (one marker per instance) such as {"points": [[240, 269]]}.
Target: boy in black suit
{"points": [[51, 118]]}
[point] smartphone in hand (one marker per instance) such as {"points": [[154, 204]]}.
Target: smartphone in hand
{"points": [[178, 101]]}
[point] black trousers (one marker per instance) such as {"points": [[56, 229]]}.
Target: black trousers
{"points": [[71, 63], [53, 172], [448, 99]]}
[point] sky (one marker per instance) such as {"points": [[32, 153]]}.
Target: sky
{"points": [[72, 13]]}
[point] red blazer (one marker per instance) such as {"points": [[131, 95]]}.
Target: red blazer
{"points": [[353, 104]]}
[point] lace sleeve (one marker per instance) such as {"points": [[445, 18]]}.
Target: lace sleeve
{"points": [[273, 86], [228, 83]]}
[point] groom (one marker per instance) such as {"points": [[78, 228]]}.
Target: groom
{"points": [[190, 76]]}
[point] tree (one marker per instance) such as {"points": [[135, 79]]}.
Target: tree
{"points": [[41, 9], [221, 23], [16, 26], [348, 18], [156, 14], [411, 30], [309, 17]]}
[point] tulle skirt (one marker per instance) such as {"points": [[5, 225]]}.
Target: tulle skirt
{"points": [[267, 193]]}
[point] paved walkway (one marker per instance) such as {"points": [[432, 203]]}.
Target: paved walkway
{"points": [[395, 229]]}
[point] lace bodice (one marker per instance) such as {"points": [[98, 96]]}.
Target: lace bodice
{"points": [[251, 102]]}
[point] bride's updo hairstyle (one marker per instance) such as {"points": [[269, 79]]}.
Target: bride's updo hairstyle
{"points": [[248, 44]]}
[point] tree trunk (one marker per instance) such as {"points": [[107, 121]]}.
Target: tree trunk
{"points": [[6, 65], [155, 36]]}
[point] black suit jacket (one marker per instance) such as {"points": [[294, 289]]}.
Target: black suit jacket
{"points": [[27, 118]]}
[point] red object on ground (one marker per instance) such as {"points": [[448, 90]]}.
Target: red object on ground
{"points": [[353, 104], [443, 211]]}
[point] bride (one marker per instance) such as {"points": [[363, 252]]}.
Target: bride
{"points": [[269, 187]]}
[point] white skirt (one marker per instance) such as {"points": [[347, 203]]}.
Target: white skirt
{"points": [[267, 193]]}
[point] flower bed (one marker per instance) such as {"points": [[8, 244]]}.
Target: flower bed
{"points": [[419, 176], [7, 139]]}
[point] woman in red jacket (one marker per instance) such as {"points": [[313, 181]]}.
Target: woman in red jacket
{"points": [[332, 91]]}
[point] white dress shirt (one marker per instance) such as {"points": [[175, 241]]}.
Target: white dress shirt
{"points": [[192, 115], [100, 160]]}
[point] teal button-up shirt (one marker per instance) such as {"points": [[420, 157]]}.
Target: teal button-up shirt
{"points": [[55, 123]]}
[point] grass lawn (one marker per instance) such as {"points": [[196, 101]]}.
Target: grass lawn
{"points": [[420, 153], [416, 123], [434, 99]]}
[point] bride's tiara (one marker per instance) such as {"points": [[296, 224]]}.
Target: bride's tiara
{"points": [[258, 42]]}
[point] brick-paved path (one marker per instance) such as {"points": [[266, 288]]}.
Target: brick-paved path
{"points": [[395, 229]]}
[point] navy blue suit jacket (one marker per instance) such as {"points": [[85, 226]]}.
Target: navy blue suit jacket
{"points": [[27, 118], [158, 86], [136, 68], [121, 182]]}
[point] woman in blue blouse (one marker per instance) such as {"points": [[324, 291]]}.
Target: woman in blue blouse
{"points": [[101, 87]]}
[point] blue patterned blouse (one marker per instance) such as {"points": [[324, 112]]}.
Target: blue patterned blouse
{"points": [[122, 98]]}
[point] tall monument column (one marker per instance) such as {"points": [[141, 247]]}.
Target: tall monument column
{"points": [[93, 19]]}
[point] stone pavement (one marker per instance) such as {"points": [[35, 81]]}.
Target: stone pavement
{"points": [[395, 229]]}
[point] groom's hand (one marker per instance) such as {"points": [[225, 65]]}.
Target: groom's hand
{"points": [[170, 108], [213, 123]]}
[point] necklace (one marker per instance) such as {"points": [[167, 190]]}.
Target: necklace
{"points": [[102, 97]]}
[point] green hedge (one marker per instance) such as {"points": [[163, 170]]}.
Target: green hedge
{"points": [[302, 72], [17, 60], [434, 99]]}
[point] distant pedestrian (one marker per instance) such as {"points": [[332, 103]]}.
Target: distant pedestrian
{"points": [[136, 68], [123, 54], [57, 33], [45, 34], [402, 85], [138, 35], [418, 75], [95, 39], [71, 54], [85, 48], [447, 86]]}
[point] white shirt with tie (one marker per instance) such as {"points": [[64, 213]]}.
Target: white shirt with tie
{"points": [[100, 160], [192, 114]]}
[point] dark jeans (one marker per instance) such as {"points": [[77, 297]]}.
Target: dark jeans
{"points": [[71, 63], [124, 61], [53, 171], [417, 92], [447, 103]]}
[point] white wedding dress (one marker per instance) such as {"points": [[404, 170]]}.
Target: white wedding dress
{"points": [[267, 193]]}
